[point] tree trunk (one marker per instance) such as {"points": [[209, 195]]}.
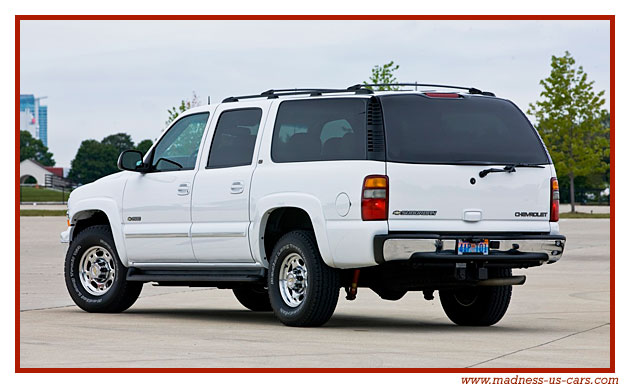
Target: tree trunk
{"points": [[572, 192]]}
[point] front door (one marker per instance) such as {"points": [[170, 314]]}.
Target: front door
{"points": [[220, 202], [156, 205]]}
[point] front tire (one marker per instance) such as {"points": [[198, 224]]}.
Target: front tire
{"points": [[255, 298], [477, 306], [95, 278], [303, 290]]}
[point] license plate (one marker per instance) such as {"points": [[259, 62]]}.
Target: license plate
{"points": [[479, 247]]}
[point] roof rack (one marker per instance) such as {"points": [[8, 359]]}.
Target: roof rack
{"points": [[275, 93], [470, 90], [357, 89]]}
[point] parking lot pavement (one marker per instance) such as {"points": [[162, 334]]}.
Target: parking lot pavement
{"points": [[559, 318]]}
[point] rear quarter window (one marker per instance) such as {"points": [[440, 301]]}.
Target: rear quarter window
{"points": [[421, 129], [320, 129]]}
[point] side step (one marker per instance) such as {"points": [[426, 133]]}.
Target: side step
{"points": [[216, 277]]}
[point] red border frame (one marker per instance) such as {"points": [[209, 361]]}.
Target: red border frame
{"points": [[610, 18]]}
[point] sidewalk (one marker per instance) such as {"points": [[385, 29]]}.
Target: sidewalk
{"points": [[566, 208], [44, 206]]}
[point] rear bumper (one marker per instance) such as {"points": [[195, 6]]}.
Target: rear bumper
{"points": [[522, 249]]}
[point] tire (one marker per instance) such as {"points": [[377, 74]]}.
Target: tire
{"points": [[313, 298], [477, 306], [95, 245], [255, 297]]}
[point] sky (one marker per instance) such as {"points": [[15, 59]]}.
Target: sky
{"points": [[105, 77]]}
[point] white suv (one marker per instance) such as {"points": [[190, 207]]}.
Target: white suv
{"points": [[290, 195]]}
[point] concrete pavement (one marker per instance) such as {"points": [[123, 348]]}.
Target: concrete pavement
{"points": [[559, 318]]}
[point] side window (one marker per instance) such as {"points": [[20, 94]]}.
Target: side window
{"points": [[316, 130], [177, 150], [235, 138]]}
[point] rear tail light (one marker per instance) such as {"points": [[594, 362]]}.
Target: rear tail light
{"points": [[374, 202], [554, 215]]}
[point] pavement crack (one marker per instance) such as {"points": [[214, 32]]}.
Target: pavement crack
{"points": [[46, 308], [539, 345]]}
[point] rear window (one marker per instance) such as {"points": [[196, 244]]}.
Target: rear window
{"points": [[320, 129], [465, 130]]}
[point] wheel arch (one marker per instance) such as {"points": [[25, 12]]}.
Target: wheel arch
{"points": [[279, 214], [99, 211]]}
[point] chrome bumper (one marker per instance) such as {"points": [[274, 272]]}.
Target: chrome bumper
{"points": [[396, 247], [64, 238]]}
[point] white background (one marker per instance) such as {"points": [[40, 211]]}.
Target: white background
{"points": [[7, 159]]}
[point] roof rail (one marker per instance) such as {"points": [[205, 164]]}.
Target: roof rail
{"points": [[470, 90], [357, 89], [275, 93]]}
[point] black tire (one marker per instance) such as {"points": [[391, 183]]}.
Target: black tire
{"points": [[322, 291], [254, 297], [477, 306], [120, 295]]}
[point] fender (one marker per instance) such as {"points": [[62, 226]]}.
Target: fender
{"points": [[262, 208], [111, 210]]}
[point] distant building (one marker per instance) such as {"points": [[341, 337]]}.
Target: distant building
{"points": [[34, 172], [34, 117], [43, 124]]}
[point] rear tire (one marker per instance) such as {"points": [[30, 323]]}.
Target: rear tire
{"points": [[255, 297], [303, 290], [95, 278], [477, 306]]}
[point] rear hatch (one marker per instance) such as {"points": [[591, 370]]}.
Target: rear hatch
{"points": [[438, 145]]}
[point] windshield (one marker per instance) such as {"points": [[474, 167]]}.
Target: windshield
{"points": [[467, 130]]}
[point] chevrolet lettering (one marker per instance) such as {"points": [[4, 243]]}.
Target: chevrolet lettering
{"points": [[530, 214]]}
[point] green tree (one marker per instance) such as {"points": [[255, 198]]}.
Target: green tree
{"points": [[174, 112], [383, 75], [572, 122], [120, 141], [93, 161], [144, 146], [31, 148]]}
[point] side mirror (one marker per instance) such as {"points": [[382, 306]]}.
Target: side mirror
{"points": [[130, 160]]}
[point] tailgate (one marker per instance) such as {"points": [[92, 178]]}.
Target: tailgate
{"points": [[442, 198], [436, 148]]}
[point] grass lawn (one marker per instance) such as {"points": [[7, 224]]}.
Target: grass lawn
{"points": [[584, 215], [33, 194], [40, 213]]}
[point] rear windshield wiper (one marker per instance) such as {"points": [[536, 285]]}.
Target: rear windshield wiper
{"points": [[508, 168]]}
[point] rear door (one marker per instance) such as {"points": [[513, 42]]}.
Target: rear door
{"points": [[436, 148], [220, 201]]}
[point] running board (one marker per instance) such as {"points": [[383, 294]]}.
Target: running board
{"points": [[197, 277]]}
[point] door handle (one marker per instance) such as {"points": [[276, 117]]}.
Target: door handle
{"points": [[237, 187], [183, 189]]}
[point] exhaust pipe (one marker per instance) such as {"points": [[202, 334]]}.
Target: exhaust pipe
{"points": [[511, 281]]}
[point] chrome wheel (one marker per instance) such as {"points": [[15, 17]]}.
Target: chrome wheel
{"points": [[293, 280], [97, 271]]}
